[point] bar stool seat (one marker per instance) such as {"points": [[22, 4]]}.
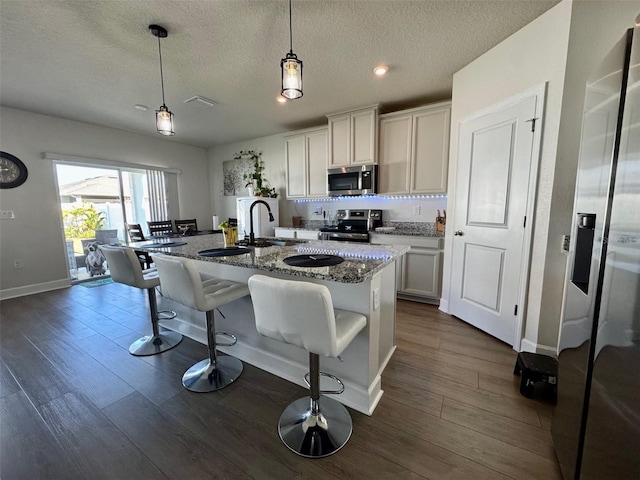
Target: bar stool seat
{"points": [[182, 283], [302, 314], [124, 266]]}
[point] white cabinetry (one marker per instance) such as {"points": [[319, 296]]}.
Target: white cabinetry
{"points": [[285, 232], [419, 272], [353, 137], [296, 233], [414, 150], [306, 163]]}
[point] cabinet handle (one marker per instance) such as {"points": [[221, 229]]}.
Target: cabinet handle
{"points": [[458, 233]]}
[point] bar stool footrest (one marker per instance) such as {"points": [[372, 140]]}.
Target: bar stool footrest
{"points": [[307, 377], [166, 315], [233, 338]]}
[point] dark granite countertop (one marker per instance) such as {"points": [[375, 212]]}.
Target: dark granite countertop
{"points": [[362, 260]]}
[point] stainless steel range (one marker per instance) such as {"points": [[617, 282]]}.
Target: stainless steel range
{"points": [[353, 226]]}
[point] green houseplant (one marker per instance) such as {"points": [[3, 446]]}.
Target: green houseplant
{"points": [[255, 178]]}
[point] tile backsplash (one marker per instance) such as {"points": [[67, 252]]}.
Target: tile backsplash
{"points": [[396, 210]]}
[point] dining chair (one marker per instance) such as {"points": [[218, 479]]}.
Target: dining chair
{"points": [[136, 235], [135, 232], [160, 227], [192, 224]]}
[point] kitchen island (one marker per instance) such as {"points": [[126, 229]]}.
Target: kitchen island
{"points": [[365, 282]]}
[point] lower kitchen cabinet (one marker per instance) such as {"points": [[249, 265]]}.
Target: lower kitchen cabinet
{"points": [[419, 272], [285, 232]]}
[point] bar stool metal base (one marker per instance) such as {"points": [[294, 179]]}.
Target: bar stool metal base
{"points": [[315, 436], [204, 377], [153, 344]]}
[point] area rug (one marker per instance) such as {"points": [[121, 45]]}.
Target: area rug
{"points": [[97, 283]]}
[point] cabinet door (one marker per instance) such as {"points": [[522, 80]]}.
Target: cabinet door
{"points": [[430, 155], [421, 273], [317, 151], [339, 140], [395, 150], [363, 137], [295, 159]]}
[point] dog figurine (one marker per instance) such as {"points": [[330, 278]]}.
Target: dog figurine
{"points": [[95, 260]]}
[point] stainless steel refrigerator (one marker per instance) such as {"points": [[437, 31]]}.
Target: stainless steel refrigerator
{"points": [[596, 422]]}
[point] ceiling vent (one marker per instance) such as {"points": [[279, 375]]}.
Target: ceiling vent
{"points": [[200, 101]]}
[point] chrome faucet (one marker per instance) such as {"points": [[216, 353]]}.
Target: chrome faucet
{"points": [[252, 237]]}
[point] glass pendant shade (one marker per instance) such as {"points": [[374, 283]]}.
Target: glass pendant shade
{"points": [[291, 76], [164, 121]]}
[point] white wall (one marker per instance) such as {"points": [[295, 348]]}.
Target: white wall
{"points": [[560, 47], [596, 26], [35, 235], [272, 149]]}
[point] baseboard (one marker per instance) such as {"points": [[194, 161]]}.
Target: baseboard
{"points": [[529, 346], [444, 305], [8, 293], [418, 298]]}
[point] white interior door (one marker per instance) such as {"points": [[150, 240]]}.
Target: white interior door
{"points": [[492, 183]]}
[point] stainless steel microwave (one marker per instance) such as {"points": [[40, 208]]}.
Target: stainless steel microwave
{"points": [[354, 180]]}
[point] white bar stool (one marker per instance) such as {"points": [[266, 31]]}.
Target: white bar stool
{"points": [[124, 266], [302, 314], [182, 283]]}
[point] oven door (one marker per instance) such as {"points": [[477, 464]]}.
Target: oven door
{"points": [[345, 237]]}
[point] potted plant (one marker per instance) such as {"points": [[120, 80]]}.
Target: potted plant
{"points": [[255, 180], [229, 233]]}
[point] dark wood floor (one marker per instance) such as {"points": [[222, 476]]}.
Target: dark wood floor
{"points": [[75, 404]]}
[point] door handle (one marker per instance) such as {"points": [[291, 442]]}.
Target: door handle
{"points": [[458, 233]]}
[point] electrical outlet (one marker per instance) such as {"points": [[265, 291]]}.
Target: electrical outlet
{"points": [[6, 214], [17, 264], [566, 239], [376, 299], [318, 210], [416, 209]]}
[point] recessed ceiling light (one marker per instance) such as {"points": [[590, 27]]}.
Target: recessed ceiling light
{"points": [[281, 99], [139, 106], [380, 70]]}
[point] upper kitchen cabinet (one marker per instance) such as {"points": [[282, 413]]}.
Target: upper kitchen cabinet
{"points": [[353, 137], [414, 150], [306, 163]]}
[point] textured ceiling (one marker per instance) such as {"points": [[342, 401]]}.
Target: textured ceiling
{"points": [[92, 61]]}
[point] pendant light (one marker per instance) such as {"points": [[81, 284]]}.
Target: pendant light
{"points": [[291, 70], [164, 117]]}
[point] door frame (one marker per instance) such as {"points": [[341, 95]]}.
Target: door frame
{"points": [[539, 92]]}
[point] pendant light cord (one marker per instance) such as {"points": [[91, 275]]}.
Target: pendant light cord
{"points": [[290, 31], [161, 76]]}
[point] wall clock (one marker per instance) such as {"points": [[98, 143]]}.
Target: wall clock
{"points": [[13, 172]]}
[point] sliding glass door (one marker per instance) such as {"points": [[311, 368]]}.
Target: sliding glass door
{"points": [[96, 203]]}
